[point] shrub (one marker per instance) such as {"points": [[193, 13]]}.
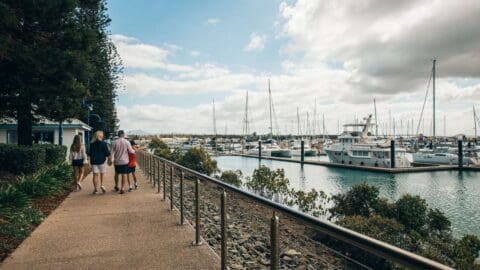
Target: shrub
{"points": [[412, 212], [19, 159], [269, 182], [312, 202], [54, 154], [11, 197], [199, 160], [360, 200], [19, 223], [232, 177]]}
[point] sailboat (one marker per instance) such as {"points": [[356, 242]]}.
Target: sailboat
{"points": [[437, 154]]}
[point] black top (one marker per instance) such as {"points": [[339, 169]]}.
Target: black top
{"points": [[98, 152]]}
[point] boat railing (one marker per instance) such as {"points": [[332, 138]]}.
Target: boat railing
{"points": [[247, 230]]}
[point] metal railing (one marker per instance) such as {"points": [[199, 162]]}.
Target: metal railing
{"points": [[196, 196]]}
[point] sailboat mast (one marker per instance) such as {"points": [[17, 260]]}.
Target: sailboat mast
{"points": [[298, 123], [376, 119], [433, 88], [270, 108], [214, 119], [475, 121]]}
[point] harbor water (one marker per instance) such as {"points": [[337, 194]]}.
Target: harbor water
{"points": [[455, 193]]}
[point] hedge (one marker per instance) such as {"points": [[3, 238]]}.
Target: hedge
{"points": [[19, 159]]}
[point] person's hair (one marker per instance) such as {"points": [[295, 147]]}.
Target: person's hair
{"points": [[76, 144], [132, 143], [96, 136], [120, 133]]}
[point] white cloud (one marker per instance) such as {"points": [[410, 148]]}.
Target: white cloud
{"points": [[256, 42], [212, 21], [194, 53]]}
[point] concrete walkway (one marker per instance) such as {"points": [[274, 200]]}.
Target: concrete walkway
{"points": [[111, 231]]}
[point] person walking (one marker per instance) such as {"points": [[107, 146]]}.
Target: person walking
{"points": [[77, 158], [120, 150], [132, 164], [98, 154]]}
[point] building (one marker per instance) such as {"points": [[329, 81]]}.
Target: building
{"points": [[45, 131]]}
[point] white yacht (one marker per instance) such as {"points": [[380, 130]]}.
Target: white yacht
{"points": [[270, 149], [361, 149], [296, 149], [446, 156]]}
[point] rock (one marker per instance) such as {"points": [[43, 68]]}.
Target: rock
{"points": [[292, 253], [264, 261], [236, 266]]}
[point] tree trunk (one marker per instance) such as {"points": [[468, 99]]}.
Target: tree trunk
{"points": [[24, 127]]}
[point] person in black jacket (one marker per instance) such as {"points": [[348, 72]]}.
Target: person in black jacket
{"points": [[98, 154]]}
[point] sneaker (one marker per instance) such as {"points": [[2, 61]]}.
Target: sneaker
{"points": [[130, 189], [103, 189], [116, 189], [136, 185], [95, 192]]}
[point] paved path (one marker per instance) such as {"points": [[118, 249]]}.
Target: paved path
{"points": [[112, 231]]}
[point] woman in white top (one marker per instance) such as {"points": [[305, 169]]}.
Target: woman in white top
{"points": [[77, 158]]}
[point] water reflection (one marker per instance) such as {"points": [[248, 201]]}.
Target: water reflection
{"points": [[455, 193]]}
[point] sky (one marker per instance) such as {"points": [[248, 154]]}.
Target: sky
{"points": [[324, 59]]}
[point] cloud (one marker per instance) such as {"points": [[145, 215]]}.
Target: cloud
{"points": [[212, 21], [194, 53], [386, 46], [256, 42], [136, 54]]}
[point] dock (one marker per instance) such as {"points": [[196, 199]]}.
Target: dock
{"points": [[419, 168]]}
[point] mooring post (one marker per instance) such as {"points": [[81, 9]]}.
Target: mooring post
{"points": [[259, 149], [197, 241], [182, 219], [172, 171], [274, 243], [223, 227], [164, 180], [392, 154], [302, 151], [460, 154]]}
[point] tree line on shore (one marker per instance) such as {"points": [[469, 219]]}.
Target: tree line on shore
{"points": [[408, 222], [56, 58]]}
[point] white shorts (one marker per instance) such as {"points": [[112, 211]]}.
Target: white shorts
{"points": [[99, 168]]}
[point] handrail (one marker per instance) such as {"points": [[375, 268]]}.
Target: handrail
{"points": [[369, 244]]}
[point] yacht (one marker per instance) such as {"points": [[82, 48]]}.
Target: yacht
{"points": [[361, 149], [444, 155], [270, 149], [296, 149]]}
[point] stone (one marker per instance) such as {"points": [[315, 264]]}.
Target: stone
{"points": [[292, 253]]}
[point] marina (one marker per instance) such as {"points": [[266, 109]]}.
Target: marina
{"points": [[453, 192]]}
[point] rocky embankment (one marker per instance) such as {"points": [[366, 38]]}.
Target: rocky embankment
{"points": [[249, 232]]}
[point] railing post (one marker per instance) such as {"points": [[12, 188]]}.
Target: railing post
{"points": [[223, 228], [274, 243], [197, 241], [172, 169], [154, 180], [158, 176], [182, 219], [151, 167], [164, 180]]}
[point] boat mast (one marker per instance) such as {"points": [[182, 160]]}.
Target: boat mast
{"points": [[475, 122], [433, 88], [298, 123], [376, 121], [323, 123], [270, 109], [214, 119]]}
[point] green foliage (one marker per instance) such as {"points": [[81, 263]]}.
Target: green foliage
{"points": [[54, 154], [465, 251], [199, 160], [18, 223], [157, 143], [412, 212], [312, 202], [437, 221], [360, 200], [11, 197], [268, 182], [21, 159], [232, 177], [59, 53]]}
